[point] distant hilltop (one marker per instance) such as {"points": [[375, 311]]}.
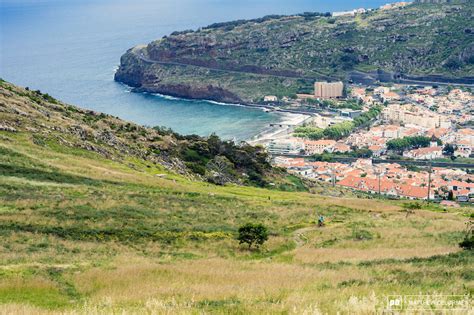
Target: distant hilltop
{"points": [[243, 61]]}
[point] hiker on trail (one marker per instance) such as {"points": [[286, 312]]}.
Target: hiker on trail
{"points": [[321, 220]]}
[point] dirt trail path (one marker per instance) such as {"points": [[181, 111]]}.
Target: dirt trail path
{"points": [[138, 52], [299, 235]]}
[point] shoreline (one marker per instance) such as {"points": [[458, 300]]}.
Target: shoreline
{"points": [[288, 122], [270, 108], [288, 118]]}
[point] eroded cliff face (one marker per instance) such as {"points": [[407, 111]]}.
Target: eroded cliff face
{"points": [[207, 92], [138, 71], [131, 70]]}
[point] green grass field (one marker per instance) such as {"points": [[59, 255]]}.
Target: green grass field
{"points": [[83, 234]]}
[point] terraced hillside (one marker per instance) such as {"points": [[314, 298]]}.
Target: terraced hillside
{"points": [[90, 227], [241, 61]]}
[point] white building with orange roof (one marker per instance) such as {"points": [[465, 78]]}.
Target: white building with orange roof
{"points": [[287, 161], [368, 99], [427, 90], [465, 134], [386, 131], [381, 90], [341, 147], [303, 170], [377, 150], [412, 132], [424, 153], [392, 132], [358, 92], [414, 192], [362, 163], [444, 134], [464, 148], [318, 146], [396, 5], [390, 96], [456, 185]]}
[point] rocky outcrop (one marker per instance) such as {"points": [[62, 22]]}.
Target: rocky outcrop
{"points": [[145, 75], [131, 70], [207, 92]]}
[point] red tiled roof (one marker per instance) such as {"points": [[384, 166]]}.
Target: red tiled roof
{"points": [[466, 131], [369, 184], [320, 142]]}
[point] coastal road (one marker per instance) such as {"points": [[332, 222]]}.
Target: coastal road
{"points": [[417, 82], [139, 53]]}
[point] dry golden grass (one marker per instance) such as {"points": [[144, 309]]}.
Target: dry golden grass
{"points": [[253, 282], [322, 255]]}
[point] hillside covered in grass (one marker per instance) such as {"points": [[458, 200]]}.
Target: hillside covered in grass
{"points": [[242, 61], [55, 124], [94, 226]]}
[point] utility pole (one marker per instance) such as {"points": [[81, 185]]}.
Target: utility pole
{"points": [[333, 176], [430, 169], [380, 193], [378, 173]]}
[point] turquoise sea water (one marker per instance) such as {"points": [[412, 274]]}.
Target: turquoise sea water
{"points": [[71, 48]]}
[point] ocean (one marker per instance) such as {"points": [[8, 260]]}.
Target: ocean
{"points": [[71, 49]]}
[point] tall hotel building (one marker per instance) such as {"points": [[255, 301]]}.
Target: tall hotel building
{"points": [[328, 89]]}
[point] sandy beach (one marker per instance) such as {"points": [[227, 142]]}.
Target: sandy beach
{"points": [[288, 122]]}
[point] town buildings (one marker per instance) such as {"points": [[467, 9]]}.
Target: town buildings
{"points": [[444, 115], [430, 153], [318, 146], [285, 146], [411, 114], [389, 179]]}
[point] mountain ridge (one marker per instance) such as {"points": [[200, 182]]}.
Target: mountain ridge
{"points": [[244, 60]]}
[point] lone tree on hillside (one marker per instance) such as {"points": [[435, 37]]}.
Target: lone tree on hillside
{"points": [[253, 234]]}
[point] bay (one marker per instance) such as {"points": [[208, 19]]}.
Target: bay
{"points": [[71, 48]]}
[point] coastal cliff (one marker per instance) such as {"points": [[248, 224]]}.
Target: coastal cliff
{"points": [[242, 61]]}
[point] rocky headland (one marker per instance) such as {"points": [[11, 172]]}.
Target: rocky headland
{"points": [[242, 61]]}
